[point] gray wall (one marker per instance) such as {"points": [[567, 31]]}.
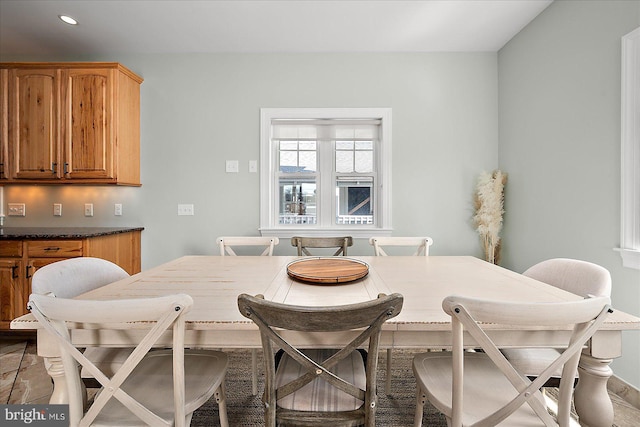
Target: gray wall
{"points": [[200, 110], [559, 85]]}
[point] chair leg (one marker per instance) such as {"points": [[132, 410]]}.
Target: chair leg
{"points": [[254, 371], [388, 379], [221, 399], [421, 399]]}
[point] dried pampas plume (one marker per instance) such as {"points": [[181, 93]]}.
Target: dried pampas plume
{"points": [[489, 205]]}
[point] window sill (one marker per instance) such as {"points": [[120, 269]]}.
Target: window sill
{"points": [[325, 232], [630, 257]]}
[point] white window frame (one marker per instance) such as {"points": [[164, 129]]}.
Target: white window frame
{"points": [[269, 225], [630, 149]]}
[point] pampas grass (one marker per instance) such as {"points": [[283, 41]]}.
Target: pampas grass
{"points": [[489, 205]]}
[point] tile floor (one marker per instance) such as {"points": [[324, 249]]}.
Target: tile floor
{"points": [[23, 379]]}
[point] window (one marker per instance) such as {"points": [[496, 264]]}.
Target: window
{"points": [[325, 171], [630, 219]]}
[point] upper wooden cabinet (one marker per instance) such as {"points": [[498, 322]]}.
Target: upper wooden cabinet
{"points": [[71, 123]]}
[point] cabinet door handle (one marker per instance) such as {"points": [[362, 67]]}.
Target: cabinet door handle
{"points": [[26, 272], [54, 165], [14, 272], [52, 249], [66, 168]]}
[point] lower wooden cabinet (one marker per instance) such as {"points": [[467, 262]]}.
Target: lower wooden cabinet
{"points": [[19, 259]]}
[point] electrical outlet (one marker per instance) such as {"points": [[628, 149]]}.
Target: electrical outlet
{"points": [[185, 210], [88, 209], [17, 209], [57, 209], [117, 209]]}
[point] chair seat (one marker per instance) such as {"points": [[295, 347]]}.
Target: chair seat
{"points": [[108, 360], [532, 361], [482, 380], [319, 395], [151, 383]]}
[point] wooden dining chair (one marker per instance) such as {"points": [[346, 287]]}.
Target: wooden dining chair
{"points": [[579, 277], [71, 277], [320, 387], [157, 388], [483, 388], [420, 247], [339, 243], [227, 243]]}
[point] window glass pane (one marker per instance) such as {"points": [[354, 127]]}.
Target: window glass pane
{"points": [[364, 145], [344, 161], [303, 159], [297, 201], [288, 145], [364, 161], [344, 145], [307, 161], [354, 204], [288, 159]]}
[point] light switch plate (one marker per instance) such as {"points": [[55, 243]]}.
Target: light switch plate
{"points": [[232, 166], [253, 166]]}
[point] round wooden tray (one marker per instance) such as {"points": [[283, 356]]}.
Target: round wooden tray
{"points": [[327, 270]]}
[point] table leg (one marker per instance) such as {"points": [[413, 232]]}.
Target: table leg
{"points": [[591, 399], [54, 368]]}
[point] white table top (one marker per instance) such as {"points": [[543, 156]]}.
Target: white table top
{"points": [[215, 282]]}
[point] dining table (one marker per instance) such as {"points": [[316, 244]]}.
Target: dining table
{"points": [[214, 282]]}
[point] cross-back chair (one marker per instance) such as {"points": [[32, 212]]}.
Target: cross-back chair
{"points": [[158, 388], [421, 244], [320, 387], [339, 243], [579, 277], [227, 243], [71, 277], [483, 388]]}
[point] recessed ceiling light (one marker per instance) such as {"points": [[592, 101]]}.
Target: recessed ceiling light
{"points": [[69, 20]]}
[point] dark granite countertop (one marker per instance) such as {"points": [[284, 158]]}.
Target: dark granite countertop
{"points": [[16, 233]]}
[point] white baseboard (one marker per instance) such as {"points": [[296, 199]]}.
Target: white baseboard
{"points": [[626, 391]]}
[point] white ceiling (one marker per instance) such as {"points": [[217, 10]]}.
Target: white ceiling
{"points": [[125, 27]]}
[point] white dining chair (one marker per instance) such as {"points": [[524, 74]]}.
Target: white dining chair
{"points": [[75, 276], [157, 388], [419, 246], [578, 277], [483, 388], [226, 245]]}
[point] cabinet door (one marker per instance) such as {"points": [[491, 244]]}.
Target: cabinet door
{"points": [[33, 127], [12, 298], [87, 129]]}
